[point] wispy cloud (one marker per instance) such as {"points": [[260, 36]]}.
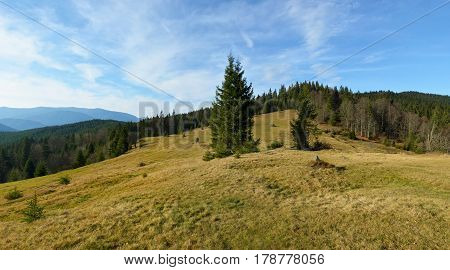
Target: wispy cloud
{"points": [[177, 45], [183, 50]]}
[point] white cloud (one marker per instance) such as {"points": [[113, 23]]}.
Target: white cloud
{"points": [[89, 72], [25, 90], [19, 46], [373, 58], [318, 22], [247, 39], [183, 50]]}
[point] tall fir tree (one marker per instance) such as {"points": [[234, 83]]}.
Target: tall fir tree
{"points": [[334, 103], [29, 169], [232, 112], [81, 160], [304, 126], [41, 170]]}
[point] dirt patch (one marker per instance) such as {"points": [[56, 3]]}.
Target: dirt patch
{"points": [[320, 164]]}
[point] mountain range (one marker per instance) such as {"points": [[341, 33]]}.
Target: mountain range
{"points": [[18, 119]]}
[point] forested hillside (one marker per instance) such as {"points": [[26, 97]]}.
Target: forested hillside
{"points": [[421, 122], [43, 151], [415, 121]]}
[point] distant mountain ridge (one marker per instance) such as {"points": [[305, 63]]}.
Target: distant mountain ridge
{"points": [[4, 128], [12, 119]]}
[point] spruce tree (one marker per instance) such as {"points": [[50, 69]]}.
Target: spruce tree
{"points": [[29, 169], [81, 160], [334, 103], [232, 112], [304, 125], [41, 170]]}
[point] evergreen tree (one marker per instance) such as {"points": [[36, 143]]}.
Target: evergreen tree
{"points": [[5, 165], [33, 211], [45, 149], [232, 112], [304, 126], [101, 157], [91, 148], [29, 169], [41, 170], [334, 102], [81, 160]]}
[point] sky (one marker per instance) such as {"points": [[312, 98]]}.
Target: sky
{"points": [[182, 46]]}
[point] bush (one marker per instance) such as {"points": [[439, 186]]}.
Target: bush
{"points": [[411, 143], [34, 211], [141, 164], [208, 156], [249, 147], [318, 145], [65, 180], [144, 175], [388, 142], [14, 194], [351, 135], [275, 145], [237, 155], [420, 148]]}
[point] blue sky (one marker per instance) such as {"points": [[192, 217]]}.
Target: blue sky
{"points": [[181, 46]]}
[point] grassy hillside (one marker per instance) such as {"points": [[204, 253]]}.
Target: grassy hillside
{"points": [[384, 199]]}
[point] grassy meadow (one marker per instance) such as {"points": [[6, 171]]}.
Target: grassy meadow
{"points": [[164, 196]]}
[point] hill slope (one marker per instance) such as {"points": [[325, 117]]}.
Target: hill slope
{"points": [[384, 199], [64, 130], [4, 128], [21, 124]]}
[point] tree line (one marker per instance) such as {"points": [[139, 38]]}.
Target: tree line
{"points": [[418, 121]]}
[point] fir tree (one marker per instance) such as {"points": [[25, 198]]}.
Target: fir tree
{"points": [[334, 103], [41, 170], [81, 160], [304, 126], [34, 211], [29, 169], [232, 112]]}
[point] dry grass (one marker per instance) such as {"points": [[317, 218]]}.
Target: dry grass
{"points": [[384, 199]]}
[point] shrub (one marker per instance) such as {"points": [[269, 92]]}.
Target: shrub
{"points": [[249, 147], [273, 125], [318, 145], [275, 145], [237, 155], [14, 194], [144, 175], [410, 142], [33, 211], [65, 180], [420, 148], [351, 135], [208, 156], [388, 142]]}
